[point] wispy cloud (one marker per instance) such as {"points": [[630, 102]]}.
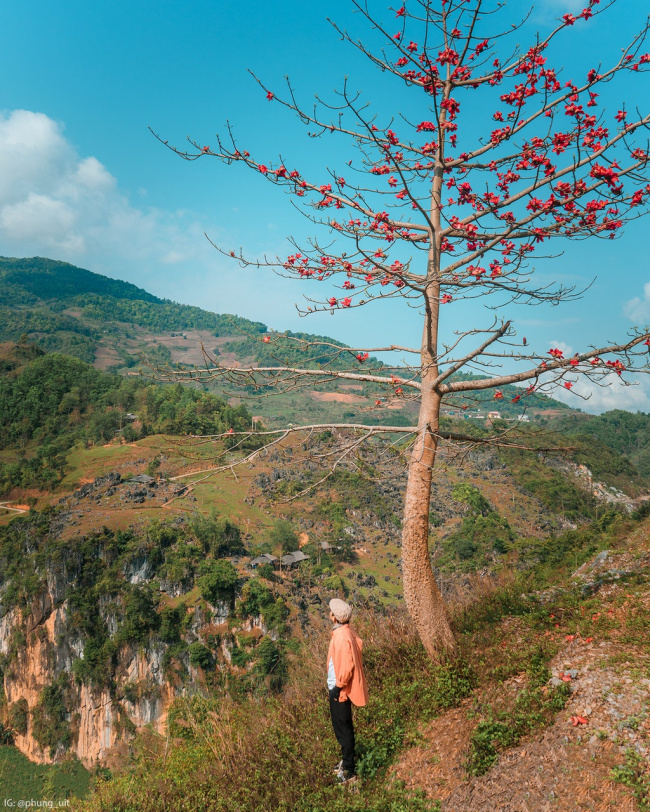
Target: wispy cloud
{"points": [[57, 203], [616, 394], [548, 10], [637, 310]]}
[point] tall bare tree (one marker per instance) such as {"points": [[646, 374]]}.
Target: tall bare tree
{"points": [[435, 213]]}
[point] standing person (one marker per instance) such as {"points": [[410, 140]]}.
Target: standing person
{"points": [[346, 684]]}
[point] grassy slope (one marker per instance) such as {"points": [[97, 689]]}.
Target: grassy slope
{"points": [[506, 642], [20, 779]]}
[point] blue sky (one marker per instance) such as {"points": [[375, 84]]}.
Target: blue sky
{"points": [[82, 179]]}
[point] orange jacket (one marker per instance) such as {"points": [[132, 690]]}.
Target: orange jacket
{"points": [[345, 653]]}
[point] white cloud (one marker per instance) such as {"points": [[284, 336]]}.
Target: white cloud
{"points": [[54, 202], [615, 394], [556, 8], [567, 349], [637, 310]]}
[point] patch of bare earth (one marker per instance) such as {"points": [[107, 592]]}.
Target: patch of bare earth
{"points": [[105, 357], [566, 767], [339, 397], [189, 350]]}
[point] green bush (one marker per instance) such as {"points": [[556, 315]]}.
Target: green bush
{"points": [[97, 665], [200, 656], [218, 536], [272, 663], [284, 536], [254, 597], [50, 724], [18, 716], [218, 581], [140, 617], [470, 496], [171, 619], [334, 583], [464, 548], [275, 614]]}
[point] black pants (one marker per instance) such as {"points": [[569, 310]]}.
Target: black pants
{"points": [[341, 713]]}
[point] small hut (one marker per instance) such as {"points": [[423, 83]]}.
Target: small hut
{"points": [[293, 559], [265, 558]]}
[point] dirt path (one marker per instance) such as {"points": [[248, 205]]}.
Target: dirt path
{"points": [[6, 506]]}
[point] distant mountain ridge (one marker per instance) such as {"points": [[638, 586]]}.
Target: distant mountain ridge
{"points": [[75, 311], [112, 324], [42, 278]]}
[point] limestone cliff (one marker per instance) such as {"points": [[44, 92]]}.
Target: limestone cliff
{"points": [[92, 647]]}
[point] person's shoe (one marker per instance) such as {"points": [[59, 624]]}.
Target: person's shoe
{"points": [[338, 767], [345, 778]]}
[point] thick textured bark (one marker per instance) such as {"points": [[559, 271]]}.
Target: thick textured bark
{"points": [[421, 593]]}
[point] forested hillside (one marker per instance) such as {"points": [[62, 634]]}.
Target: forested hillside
{"points": [[114, 325], [625, 432], [36, 294], [49, 402]]}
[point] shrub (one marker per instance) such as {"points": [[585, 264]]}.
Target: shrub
{"points": [[472, 498], [140, 618], [218, 581], [275, 614], [200, 656], [50, 717], [266, 571], [218, 536], [97, 664], [18, 716], [284, 536], [254, 597], [335, 583], [272, 663], [171, 619]]}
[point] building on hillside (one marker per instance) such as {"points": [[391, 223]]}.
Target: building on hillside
{"points": [[293, 559], [265, 558], [494, 415], [143, 479]]}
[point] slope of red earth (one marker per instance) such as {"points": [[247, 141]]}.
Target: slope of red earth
{"points": [[604, 658]]}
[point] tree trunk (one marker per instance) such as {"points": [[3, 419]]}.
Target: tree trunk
{"points": [[423, 599]]}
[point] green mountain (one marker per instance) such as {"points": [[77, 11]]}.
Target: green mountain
{"points": [[94, 318], [624, 432], [113, 324]]}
